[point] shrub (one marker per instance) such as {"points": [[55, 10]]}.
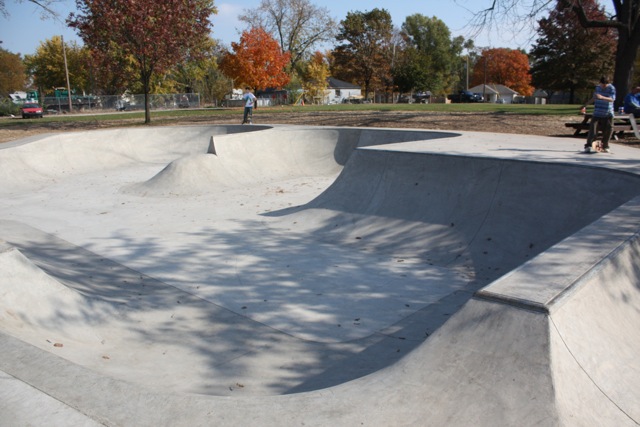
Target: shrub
{"points": [[8, 108]]}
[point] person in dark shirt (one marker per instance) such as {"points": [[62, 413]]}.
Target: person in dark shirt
{"points": [[632, 102]]}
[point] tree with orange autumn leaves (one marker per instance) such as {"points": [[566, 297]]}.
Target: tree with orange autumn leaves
{"points": [[503, 66], [256, 61]]}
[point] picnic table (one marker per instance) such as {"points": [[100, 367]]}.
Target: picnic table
{"points": [[622, 123]]}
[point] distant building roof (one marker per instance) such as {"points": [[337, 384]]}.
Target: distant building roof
{"points": [[339, 84], [483, 89], [539, 93], [494, 88], [15, 96]]}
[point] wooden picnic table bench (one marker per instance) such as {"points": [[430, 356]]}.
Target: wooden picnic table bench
{"points": [[622, 123]]}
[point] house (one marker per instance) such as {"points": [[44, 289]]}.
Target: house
{"points": [[21, 97], [540, 96], [495, 93], [271, 96], [339, 91]]}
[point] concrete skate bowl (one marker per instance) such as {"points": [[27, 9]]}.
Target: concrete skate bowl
{"points": [[542, 344]]}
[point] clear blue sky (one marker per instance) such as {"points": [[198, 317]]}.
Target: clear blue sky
{"points": [[24, 30]]}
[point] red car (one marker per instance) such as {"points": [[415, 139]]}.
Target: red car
{"points": [[31, 110]]}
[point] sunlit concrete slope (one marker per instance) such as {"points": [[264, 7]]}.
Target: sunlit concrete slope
{"points": [[257, 157], [46, 159], [241, 160]]}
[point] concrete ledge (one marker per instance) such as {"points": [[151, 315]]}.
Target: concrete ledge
{"points": [[544, 282]]}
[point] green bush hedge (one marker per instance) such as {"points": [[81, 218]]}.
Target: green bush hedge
{"points": [[8, 108]]}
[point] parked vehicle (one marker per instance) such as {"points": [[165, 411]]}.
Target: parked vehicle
{"points": [[422, 97], [355, 99], [58, 100], [31, 110], [465, 96], [418, 97]]}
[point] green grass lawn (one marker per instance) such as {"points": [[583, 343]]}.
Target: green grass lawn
{"points": [[166, 116], [561, 109]]}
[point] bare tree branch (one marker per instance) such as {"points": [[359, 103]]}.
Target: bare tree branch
{"points": [[46, 12], [578, 8], [297, 24], [512, 17]]}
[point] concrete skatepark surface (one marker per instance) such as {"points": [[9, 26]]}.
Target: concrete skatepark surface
{"points": [[228, 275]]}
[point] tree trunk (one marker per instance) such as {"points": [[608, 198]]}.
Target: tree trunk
{"points": [[626, 53], [147, 112], [366, 88], [572, 94], [146, 79]]}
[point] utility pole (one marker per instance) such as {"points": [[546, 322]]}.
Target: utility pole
{"points": [[484, 86], [467, 83], [66, 72]]}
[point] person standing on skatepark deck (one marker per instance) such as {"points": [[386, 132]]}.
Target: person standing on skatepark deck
{"points": [[603, 99], [250, 101]]}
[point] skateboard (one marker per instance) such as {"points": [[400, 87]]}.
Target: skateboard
{"points": [[596, 147]]}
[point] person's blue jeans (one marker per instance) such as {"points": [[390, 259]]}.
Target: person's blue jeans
{"points": [[605, 125], [632, 110], [248, 115]]}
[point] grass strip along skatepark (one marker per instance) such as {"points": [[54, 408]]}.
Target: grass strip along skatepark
{"points": [[291, 275]]}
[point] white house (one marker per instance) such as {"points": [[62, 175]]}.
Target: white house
{"points": [[339, 91], [21, 97], [495, 93]]}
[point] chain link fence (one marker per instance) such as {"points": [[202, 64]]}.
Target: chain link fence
{"points": [[126, 102]]}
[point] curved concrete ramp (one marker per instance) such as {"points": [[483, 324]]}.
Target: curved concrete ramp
{"points": [[45, 159], [246, 159], [461, 212], [439, 279], [250, 158]]}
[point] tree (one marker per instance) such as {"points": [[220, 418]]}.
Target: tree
{"points": [[256, 61], [202, 75], [315, 76], [298, 25], [115, 80], [411, 71], [184, 76], [626, 21], [503, 66], [569, 57], [430, 58], [366, 49], [48, 69], [216, 85], [157, 34], [12, 73]]}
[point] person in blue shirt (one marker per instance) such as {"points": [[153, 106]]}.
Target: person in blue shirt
{"points": [[249, 102], [603, 99], [632, 102]]}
